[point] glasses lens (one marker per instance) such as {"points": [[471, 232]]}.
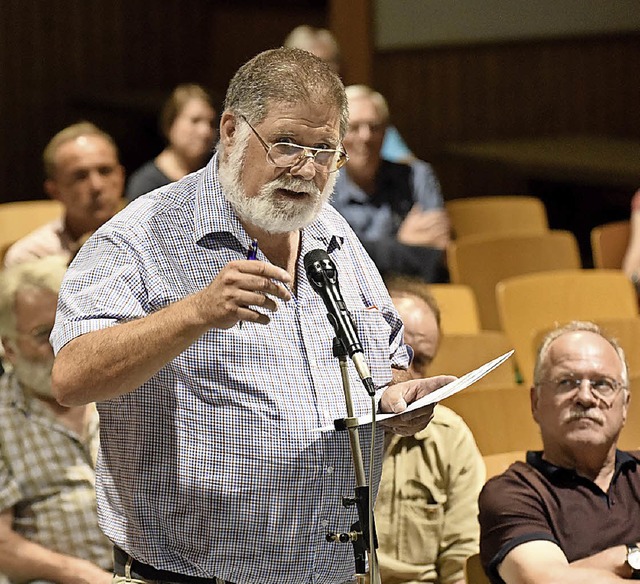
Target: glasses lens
{"points": [[283, 154], [604, 387]]}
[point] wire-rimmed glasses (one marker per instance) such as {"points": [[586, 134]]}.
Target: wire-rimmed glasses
{"points": [[602, 388], [288, 154]]}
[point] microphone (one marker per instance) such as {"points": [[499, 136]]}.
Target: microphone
{"points": [[323, 277]]}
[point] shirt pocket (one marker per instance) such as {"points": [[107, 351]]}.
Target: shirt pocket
{"points": [[420, 525], [374, 332]]}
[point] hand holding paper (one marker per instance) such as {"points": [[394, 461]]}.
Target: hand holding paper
{"points": [[421, 401], [395, 398]]}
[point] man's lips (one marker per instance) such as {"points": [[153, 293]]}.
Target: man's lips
{"points": [[292, 194]]}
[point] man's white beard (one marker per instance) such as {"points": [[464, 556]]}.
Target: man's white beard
{"points": [[34, 375], [267, 210]]}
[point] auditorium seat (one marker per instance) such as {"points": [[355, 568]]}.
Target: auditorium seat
{"points": [[609, 243], [499, 417], [458, 308], [498, 214], [460, 353], [481, 261], [531, 302]]}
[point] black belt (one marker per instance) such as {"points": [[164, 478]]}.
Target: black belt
{"points": [[146, 572]]}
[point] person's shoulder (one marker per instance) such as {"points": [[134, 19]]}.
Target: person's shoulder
{"points": [[146, 178], [43, 241]]}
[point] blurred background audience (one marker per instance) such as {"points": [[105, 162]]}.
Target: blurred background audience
{"points": [[324, 45], [48, 521], [83, 173], [396, 209], [187, 122], [426, 510]]}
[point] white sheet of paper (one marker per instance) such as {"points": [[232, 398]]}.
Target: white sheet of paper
{"points": [[439, 394]]}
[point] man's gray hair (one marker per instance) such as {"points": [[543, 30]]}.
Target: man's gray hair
{"points": [[43, 274], [575, 326], [284, 76]]}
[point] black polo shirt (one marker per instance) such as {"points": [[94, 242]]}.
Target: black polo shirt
{"points": [[539, 501]]}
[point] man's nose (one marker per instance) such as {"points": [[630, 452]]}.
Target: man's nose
{"points": [[304, 168], [585, 393], [96, 180]]}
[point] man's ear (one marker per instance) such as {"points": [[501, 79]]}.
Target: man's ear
{"points": [[10, 352], [534, 396], [227, 128], [51, 188]]}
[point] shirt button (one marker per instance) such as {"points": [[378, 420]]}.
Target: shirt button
{"points": [[329, 470], [325, 523]]}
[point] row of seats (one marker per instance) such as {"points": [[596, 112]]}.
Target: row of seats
{"points": [[527, 215], [529, 306]]}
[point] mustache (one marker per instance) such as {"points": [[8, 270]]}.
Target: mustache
{"points": [[591, 414], [297, 185]]}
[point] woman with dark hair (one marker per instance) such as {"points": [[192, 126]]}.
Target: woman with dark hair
{"points": [[187, 122]]}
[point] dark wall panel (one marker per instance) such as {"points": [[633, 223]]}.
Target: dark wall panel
{"points": [[113, 62], [510, 90]]}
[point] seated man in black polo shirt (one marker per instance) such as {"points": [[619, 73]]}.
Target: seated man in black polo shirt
{"points": [[571, 513]]}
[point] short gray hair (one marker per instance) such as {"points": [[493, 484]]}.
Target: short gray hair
{"points": [[284, 76], [575, 326], [42, 274], [365, 92]]}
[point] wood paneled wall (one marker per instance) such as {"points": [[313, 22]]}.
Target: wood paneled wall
{"points": [[519, 89], [113, 62]]}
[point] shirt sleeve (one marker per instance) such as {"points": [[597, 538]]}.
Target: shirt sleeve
{"points": [[104, 285], [425, 186], [461, 533], [9, 488], [511, 512]]}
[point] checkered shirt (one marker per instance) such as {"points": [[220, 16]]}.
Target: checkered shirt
{"points": [[47, 476], [214, 466]]}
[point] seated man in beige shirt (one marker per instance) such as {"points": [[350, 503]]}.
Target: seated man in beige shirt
{"points": [[427, 506], [83, 173]]}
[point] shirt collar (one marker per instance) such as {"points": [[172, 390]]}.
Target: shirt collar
{"points": [[534, 458]]}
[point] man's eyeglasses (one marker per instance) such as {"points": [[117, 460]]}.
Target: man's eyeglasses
{"points": [[603, 388], [288, 154]]}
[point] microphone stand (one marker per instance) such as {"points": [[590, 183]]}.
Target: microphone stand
{"points": [[362, 530]]}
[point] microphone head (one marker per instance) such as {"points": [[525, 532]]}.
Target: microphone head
{"points": [[320, 269]]}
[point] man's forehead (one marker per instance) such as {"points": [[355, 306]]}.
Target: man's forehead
{"points": [[582, 348]]}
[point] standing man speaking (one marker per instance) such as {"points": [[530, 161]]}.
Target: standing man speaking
{"points": [[211, 468]]}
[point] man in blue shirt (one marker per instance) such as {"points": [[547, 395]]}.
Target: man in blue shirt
{"points": [[211, 466], [395, 209]]}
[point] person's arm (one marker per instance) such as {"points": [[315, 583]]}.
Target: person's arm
{"points": [[460, 530], [427, 224], [538, 562], [113, 361], [24, 561], [425, 228]]}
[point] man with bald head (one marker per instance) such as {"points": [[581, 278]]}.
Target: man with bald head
{"points": [[570, 513]]}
